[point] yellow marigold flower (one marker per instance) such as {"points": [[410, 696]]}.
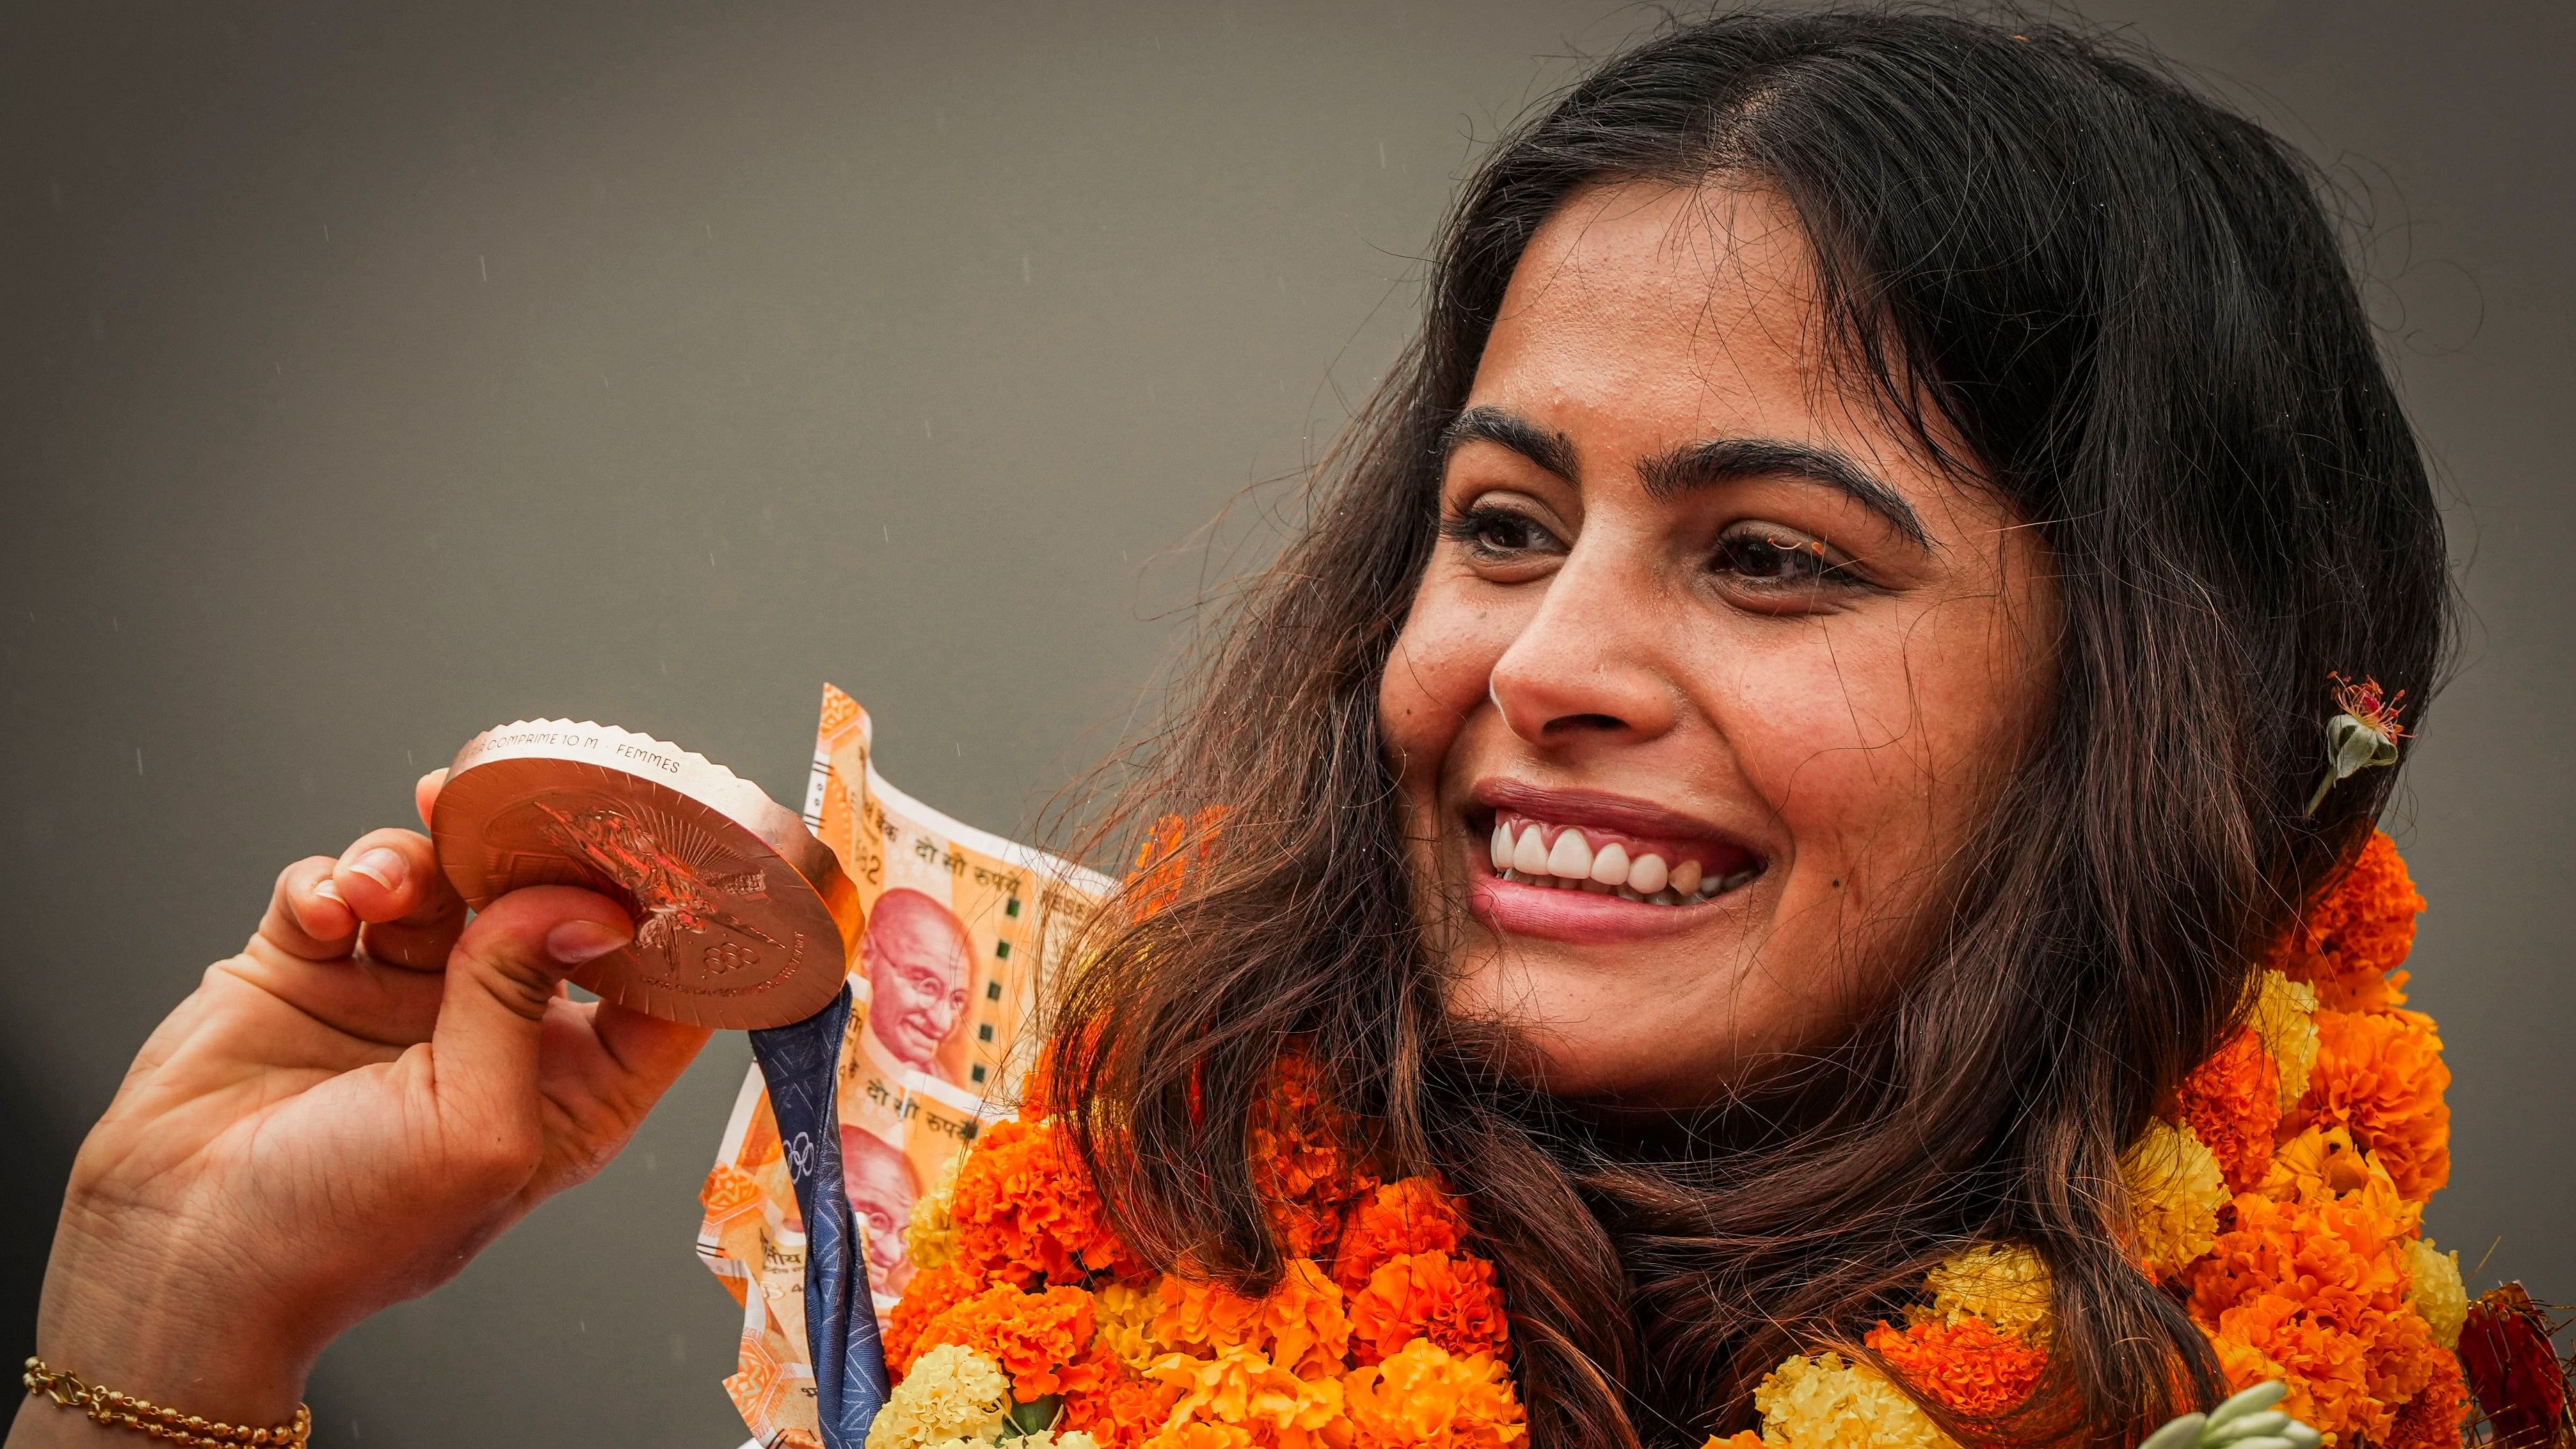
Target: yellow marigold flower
{"points": [[1050, 1439], [2437, 1293], [930, 1238], [1422, 1394], [2322, 1164], [2005, 1284], [2175, 1192], [1123, 1313], [2285, 1018], [1241, 1387], [1826, 1403], [950, 1394]]}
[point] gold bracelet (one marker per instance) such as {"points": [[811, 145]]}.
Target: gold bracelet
{"points": [[115, 1410]]}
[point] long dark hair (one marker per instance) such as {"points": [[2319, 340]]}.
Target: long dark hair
{"points": [[2127, 306]]}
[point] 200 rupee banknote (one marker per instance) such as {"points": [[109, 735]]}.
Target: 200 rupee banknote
{"points": [[951, 953]]}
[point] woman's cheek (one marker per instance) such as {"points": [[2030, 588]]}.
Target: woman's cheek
{"points": [[1436, 675]]}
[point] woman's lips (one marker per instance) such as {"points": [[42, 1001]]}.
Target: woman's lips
{"points": [[1583, 867], [1582, 917]]}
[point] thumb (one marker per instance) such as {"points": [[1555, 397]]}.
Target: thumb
{"points": [[504, 970]]}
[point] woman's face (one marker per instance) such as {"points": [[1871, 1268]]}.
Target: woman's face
{"points": [[1710, 671]]}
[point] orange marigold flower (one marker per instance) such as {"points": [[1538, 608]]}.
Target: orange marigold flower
{"points": [[2357, 933], [1035, 1337], [1239, 1386], [1170, 853], [2381, 1077], [1423, 1397], [1740, 1439], [1968, 1367], [2431, 1419], [1300, 1325], [2232, 1103], [2314, 1293], [1453, 1302], [1200, 1434], [1302, 1159], [931, 1293], [1409, 1215], [1023, 1205], [1114, 1406]]}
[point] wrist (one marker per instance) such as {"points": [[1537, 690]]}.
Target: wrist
{"points": [[177, 1333]]}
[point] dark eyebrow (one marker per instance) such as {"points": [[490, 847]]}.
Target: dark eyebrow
{"points": [[1725, 460], [1552, 451]]}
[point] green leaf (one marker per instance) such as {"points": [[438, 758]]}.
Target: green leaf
{"points": [[1035, 1416]]}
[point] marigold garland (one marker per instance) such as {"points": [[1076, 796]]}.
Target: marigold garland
{"points": [[2279, 1195], [1385, 1331]]}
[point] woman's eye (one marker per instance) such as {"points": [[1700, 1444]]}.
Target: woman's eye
{"points": [[1498, 533], [1768, 557]]}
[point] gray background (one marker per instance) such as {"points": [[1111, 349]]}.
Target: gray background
{"points": [[374, 374]]}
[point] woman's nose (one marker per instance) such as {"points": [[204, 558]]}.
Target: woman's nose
{"points": [[1590, 663]]}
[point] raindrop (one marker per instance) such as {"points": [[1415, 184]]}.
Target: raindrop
{"points": [[483, 266], [138, 762], [1381, 155]]}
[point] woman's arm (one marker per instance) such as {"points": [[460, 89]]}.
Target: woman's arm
{"points": [[336, 1120]]}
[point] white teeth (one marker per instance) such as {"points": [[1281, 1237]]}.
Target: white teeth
{"points": [[1572, 864], [1610, 867], [1572, 857], [1647, 876]]}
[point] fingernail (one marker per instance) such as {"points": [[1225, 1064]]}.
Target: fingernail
{"points": [[329, 890], [383, 866], [574, 942]]}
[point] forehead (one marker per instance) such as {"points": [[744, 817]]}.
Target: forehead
{"points": [[1692, 309]]}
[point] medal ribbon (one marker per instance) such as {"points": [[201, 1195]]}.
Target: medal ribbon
{"points": [[801, 1064]]}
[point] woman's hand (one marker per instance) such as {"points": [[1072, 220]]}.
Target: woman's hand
{"points": [[335, 1121]]}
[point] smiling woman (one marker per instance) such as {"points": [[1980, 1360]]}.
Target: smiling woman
{"points": [[1785, 740]]}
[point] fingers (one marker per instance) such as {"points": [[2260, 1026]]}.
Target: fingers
{"points": [[502, 974], [603, 1068], [392, 881], [306, 915], [424, 793]]}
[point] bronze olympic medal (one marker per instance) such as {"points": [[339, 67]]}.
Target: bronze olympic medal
{"points": [[739, 911]]}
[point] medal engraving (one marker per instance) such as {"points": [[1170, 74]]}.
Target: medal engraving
{"points": [[739, 912]]}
